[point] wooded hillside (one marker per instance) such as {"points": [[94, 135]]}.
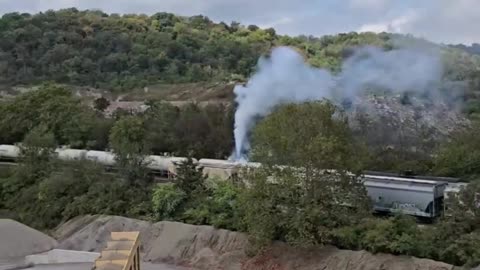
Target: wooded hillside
{"points": [[123, 52]]}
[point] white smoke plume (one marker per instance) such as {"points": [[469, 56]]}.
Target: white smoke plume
{"points": [[285, 77]]}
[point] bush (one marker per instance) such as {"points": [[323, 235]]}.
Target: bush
{"points": [[71, 189], [464, 250], [397, 235], [167, 201], [217, 206], [214, 204], [348, 237]]}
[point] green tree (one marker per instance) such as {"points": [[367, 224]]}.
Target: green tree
{"points": [[52, 107], [303, 200], [20, 191], [463, 250], [458, 157], [398, 235], [36, 155], [160, 121], [190, 178], [167, 201], [128, 141], [463, 208]]}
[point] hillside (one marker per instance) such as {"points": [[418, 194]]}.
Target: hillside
{"points": [[473, 49], [121, 53]]}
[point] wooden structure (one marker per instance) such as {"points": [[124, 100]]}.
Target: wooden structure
{"points": [[122, 252]]}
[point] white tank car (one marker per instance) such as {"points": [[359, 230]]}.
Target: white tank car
{"points": [[71, 154], [105, 158], [165, 164], [218, 168], [9, 152]]}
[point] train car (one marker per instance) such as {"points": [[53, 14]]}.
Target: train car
{"points": [[70, 154], [164, 166], [104, 158], [217, 168], [9, 153], [416, 197]]}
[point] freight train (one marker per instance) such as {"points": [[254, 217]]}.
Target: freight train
{"points": [[422, 197]]}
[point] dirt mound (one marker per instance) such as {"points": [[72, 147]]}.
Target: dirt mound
{"points": [[18, 240], [91, 233], [167, 242], [204, 247], [283, 257]]}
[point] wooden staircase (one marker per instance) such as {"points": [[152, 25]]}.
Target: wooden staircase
{"points": [[122, 252]]}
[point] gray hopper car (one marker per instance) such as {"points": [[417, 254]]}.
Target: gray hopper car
{"points": [[416, 197]]}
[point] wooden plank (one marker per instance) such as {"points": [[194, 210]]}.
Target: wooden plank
{"points": [[120, 245], [132, 236]]}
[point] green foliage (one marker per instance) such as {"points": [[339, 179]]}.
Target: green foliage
{"points": [[163, 128], [194, 199], [36, 154], [282, 204], [304, 204], [68, 190], [190, 179], [124, 52], [313, 134], [205, 132], [167, 201], [458, 156], [52, 108], [128, 141], [463, 208], [217, 206], [464, 250], [223, 205], [396, 235]]}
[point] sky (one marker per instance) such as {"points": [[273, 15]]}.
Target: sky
{"points": [[445, 21]]}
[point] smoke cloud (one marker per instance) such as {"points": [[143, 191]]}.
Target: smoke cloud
{"points": [[285, 77]]}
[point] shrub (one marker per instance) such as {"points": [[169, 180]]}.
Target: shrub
{"points": [[167, 201]]}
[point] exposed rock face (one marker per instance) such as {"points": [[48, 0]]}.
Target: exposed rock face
{"points": [[411, 114], [206, 248]]}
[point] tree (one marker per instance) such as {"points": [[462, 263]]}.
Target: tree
{"points": [[310, 135], [397, 235], [253, 27], [190, 178], [128, 141], [161, 118], [167, 201], [300, 201], [36, 155], [52, 107], [19, 193], [463, 209], [458, 157], [101, 104]]}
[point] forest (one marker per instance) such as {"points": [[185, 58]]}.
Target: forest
{"points": [[121, 52], [58, 50]]}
